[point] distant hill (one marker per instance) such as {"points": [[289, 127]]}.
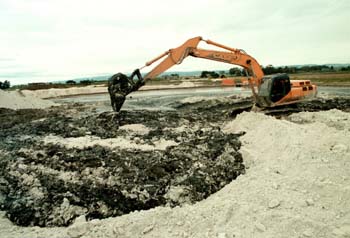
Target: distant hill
{"points": [[94, 78], [105, 77], [329, 65], [192, 73]]}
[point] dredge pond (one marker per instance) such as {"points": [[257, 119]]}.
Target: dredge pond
{"points": [[164, 99]]}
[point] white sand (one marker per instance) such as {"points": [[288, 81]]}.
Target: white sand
{"points": [[137, 128], [195, 99], [18, 100], [58, 92], [339, 119], [187, 84], [223, 99], [93, 89], [119, 142], [297, 185]]}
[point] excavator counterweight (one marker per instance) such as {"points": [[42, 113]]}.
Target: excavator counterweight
{"points": [[272, 90]]}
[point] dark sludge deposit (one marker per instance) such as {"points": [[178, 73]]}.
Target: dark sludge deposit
{"points": [[48, 184]]}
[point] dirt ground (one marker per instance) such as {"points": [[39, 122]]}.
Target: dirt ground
{"points": [[208, 169]]}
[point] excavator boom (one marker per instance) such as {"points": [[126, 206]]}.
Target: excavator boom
{"points": [[272, 91], [189, 48]]}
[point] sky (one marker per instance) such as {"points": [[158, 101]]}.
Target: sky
{"points": [[53, 40]]}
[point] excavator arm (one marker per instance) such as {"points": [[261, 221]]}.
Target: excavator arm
{"points": [[189, 48], [173, 56], [176, 56], [230, 56], [272, 91]]}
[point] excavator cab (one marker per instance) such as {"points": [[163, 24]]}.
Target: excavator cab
{"points": [[273, 88]]}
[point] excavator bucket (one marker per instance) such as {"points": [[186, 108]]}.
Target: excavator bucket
{"points": [[120, 85]]}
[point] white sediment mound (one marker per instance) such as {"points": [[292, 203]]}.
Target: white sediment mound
{"points": [[223, 99], [297, 185], [195, 99], [186, 85], [95, 89], [137, 128], [59, 92], [332, 118], [18, 100], [119, 142]]}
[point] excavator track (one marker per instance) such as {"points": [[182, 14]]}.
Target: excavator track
{"points": [[312, 105]]}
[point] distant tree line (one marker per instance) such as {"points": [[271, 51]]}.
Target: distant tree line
{"points": [[209, 74], [345, 68], [236, 71], [293, 69], [72, 82], [82, 82], [290, 69], [5, 85]]}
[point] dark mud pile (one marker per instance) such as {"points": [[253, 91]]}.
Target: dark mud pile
{"points": [[50, 185], [319, 104]]}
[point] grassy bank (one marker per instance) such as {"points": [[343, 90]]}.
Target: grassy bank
{"points": [[324, 79]]}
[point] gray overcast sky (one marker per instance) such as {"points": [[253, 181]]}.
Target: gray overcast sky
{"points": [[57, 40]]}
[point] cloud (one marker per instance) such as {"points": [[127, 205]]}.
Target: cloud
{"points": [[25, 74], [6, 59], [75, 38]]}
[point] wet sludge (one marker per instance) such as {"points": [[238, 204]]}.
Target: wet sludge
{"points": [[47, 184]]}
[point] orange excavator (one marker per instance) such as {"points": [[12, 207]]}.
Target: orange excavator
{"points": [[268, 91]]}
